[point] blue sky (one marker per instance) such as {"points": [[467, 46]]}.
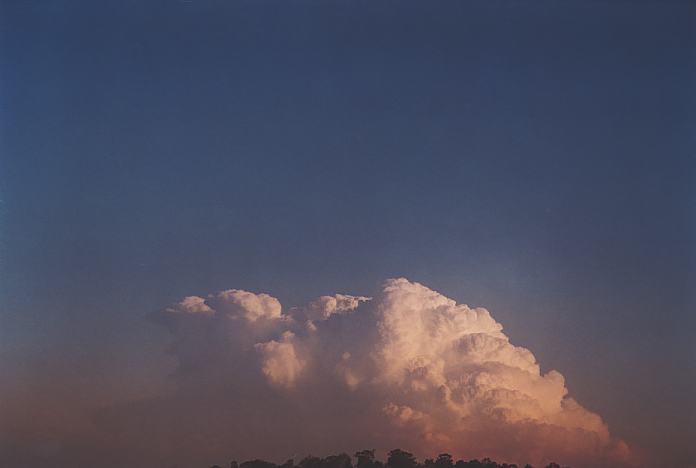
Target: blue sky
{"points": [[535, 158]]}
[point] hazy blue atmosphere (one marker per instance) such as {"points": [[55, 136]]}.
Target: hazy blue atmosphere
{"points": [[536, 158]]}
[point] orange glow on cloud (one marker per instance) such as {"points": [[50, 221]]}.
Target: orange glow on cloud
{"points": [[441, 375]]}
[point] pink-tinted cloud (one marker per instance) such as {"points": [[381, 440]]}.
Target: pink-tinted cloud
{"points": [[408, 368], [433, 374]]}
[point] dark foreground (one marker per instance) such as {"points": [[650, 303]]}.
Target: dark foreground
{"points": [[366, 459]]}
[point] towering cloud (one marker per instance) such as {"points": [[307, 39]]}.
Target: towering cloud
{"points": [[408, 367]]}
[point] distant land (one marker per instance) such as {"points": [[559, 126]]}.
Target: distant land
{"points": [[397, 458]]}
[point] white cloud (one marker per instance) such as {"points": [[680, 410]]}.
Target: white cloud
{"points": [[410, 366], [236, 303], [191, 305], [281, 364], [325, 306]]}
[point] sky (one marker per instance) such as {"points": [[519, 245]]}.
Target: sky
{"points": [[534, 158]]}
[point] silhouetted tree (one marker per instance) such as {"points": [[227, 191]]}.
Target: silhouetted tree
{"points": [[341, 460], [258, 464], [397, 458], [310, 462], [401, 459], [366, 458], [444, 460]]}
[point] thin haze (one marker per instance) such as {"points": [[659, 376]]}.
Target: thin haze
{"points": [[532, 158]]}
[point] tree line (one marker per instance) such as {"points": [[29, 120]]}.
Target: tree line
{"points": [[366, 459]]}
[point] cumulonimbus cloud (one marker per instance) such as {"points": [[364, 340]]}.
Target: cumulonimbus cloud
{"points": [[409, 366]]}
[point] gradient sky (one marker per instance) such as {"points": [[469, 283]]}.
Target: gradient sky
{"points": [[533, 157]]}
